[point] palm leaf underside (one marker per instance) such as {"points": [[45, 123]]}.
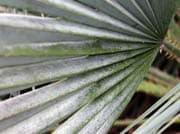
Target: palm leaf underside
{"points": [[92, 53]]}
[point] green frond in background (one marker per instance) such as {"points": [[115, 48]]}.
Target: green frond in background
{"points": [[158, 122], [172, 40], [92, 54]]}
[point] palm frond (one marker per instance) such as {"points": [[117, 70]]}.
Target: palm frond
{"points": [[92, 54], [169, 109]]}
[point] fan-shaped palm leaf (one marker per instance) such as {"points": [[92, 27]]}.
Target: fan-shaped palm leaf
{"points": [[93, 54]]}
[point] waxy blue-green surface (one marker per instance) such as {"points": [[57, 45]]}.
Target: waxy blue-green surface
{"points": [[94, 54]]}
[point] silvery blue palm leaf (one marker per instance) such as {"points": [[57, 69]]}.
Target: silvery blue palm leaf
{"points": [[89, 55]]}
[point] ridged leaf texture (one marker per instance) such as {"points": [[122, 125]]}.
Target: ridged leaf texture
{"points": [[92, 54]]}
